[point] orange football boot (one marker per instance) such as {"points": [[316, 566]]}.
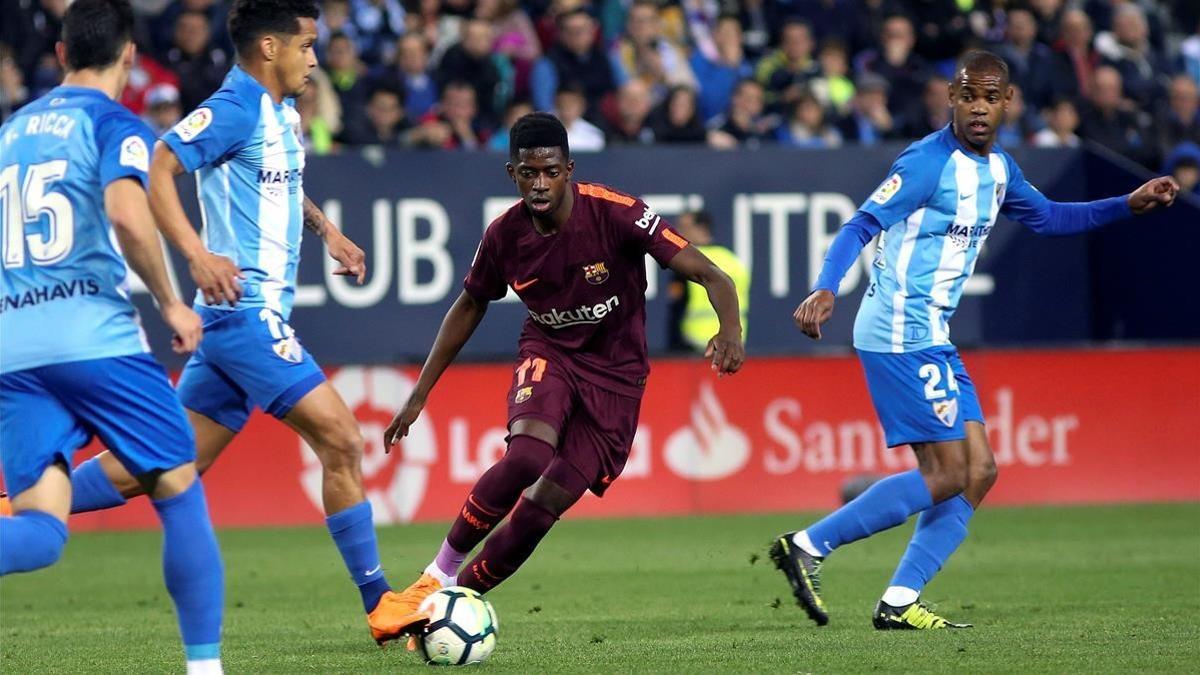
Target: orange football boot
{"points": [[5, 504], [398, 614]]}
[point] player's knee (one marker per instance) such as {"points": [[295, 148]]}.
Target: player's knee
{"points": [[983, 474], [40, 545], [948, 479], [341, 447]]}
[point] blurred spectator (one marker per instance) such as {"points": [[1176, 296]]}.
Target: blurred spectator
{"points": [[514, 38], [162, 108], [454, 124], [144, 76], [348, 75], [1048, 15], [1105, 14], [575, 57], [693, 321], [757, 27], [677, 119], [472, 61], [385, 122], [162, 27], [895, 62], [645, 53], [720, 66], [517, 108], [1077, 60], [1127, 48], [935, 110], [582, 135], [1031, 64], [412, 70], [320, 114], [1178, 119], [1020, 122], [786, 72], [745, 123], [1062, 120], [828, 19], [13, 92], [379, 23], [941, 28], [807, 127], [869, 121], [1110, 120], [200, 66], [833, 87], [628, 124], [1189, 55], [31, 28], [1184, 165], [335, 18]]}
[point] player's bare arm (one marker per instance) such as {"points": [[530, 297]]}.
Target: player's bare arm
{"points": [[351, 258], [128, 211], [458, 325], [726, 348], [816, 309], [216, 276], [1153, 193]]}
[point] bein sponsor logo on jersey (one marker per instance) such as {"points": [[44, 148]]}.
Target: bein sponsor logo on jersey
{"points": [[584, 314]]}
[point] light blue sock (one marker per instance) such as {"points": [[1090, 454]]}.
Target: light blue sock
{"points": [[884, 505], [939, 532], [91, 490], [30, 540], [353, 531], [193, 570]]}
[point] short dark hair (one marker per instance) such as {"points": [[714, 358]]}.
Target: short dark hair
{"points": [[95, 31], [702, 219], [981, 61], [537, 130], [249, 20]]}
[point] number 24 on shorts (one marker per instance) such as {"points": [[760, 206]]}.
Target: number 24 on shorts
{"points": [[932, 374]]}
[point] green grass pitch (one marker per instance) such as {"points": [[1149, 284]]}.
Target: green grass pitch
{"points": [[1089, 589]]}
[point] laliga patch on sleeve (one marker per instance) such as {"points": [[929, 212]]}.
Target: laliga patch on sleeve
{"points": [[191, 126], [888, 190], [135, 154]]}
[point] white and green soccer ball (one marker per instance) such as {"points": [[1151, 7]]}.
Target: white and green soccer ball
{"points": [[462, 627]]}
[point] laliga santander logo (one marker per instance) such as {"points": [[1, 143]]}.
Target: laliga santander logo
{"points": [[395, 483], [710, 448]]}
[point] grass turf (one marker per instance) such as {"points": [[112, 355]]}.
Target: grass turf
{"points": [[1049, 589]]}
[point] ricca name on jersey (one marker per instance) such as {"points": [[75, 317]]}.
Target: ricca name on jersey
{"points": [[59, 291], [584, 314]]}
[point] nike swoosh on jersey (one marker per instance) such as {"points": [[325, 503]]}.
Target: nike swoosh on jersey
{"points": [[374, 570], [520, 286], [965, 197]]}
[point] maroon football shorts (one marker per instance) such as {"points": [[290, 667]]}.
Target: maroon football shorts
{"points": [[595, 426]]}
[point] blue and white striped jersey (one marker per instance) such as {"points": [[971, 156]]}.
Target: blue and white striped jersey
{"points": [[936, 208], [248, 157], [63, 290]]}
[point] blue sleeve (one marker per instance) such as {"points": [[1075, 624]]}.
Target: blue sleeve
{"points": [[1028, 206], [844, 250], [543, 83], [123, 144], [219, 127], [909, 185]]}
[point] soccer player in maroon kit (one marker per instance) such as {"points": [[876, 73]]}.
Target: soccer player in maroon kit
{"points": [[575, 254]]}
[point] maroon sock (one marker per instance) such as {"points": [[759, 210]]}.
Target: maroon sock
{"points": [[497, 490], [508, 547]]}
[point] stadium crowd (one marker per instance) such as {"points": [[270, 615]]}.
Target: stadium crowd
{"points": [[454, 74]]}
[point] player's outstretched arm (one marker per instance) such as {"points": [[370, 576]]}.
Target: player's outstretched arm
{"points": [[129, 212], [1026, 205], [215, 275], [817, 308], [351, 258], [458, 325], [725, 348]]}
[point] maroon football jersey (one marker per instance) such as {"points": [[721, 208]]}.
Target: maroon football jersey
{"points": [[584, 286]]}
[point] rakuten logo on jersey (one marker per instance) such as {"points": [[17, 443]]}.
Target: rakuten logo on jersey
{"points": [[584, 314]]}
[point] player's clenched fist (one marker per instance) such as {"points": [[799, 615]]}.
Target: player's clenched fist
{"points": [[727, 352], [186, 325], [398, 429], [1161, 190], [814, 311]]}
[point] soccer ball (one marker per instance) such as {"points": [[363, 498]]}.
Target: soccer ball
{"points": [[462, 627]]}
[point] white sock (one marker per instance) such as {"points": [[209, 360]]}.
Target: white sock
{"points": [[899, 596], [436, 572], [801, 539], [205, 667]]}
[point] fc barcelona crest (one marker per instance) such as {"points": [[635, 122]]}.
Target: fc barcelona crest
{"points": [[596, 273], [523, 394], [946, 411]]}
